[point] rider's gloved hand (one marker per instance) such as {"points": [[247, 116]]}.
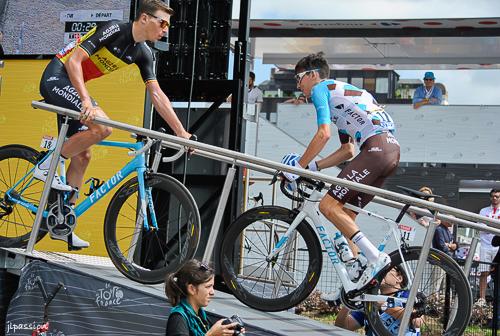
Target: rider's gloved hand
{"points": [[313, 166], [291, 159]]}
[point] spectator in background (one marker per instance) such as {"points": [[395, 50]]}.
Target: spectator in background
{"points": [[254, 94], [424, 220], [487, 252], [301, 99], [427, 94], [442, 241]]}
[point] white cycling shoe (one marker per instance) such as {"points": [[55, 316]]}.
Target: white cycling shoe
{"points": [[41, 174], [373, 269], [76, 242]]}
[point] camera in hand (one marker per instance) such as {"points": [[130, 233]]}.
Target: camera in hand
{"points": [[240, 325]]}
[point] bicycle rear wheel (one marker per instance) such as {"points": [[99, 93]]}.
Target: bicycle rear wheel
{"points": [[444, 299], [16, 220], [146, 255], [281, 282]]}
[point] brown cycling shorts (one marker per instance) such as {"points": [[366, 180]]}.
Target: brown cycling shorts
{"points": [[378, 159]]}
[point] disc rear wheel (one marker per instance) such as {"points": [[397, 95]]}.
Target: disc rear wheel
{"points": [[147, 254]]}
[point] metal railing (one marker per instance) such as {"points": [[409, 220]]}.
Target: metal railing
{"points": [[385, 197]]}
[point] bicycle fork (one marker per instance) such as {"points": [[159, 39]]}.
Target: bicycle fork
{"points": [[144, 202]]}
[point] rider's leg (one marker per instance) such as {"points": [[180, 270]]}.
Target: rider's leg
{"points": [[76, 170], [81, 141], [334, 211]]}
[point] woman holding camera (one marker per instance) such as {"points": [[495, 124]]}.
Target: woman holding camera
{"points": [[189, 290]]}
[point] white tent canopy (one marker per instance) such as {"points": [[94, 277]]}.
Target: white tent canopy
{"points": [[472, 43]]}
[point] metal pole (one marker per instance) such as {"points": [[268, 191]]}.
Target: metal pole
{"points": [[470, 256], [269, 166], [467, 267], [214, 231], [417, 277], [47, 186]]}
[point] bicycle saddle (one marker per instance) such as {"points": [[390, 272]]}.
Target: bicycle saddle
{"points": [[416, 193]]}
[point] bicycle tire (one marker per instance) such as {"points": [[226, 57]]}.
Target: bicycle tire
{"points": [[267, 291], [431, 304], [155, 252], [16, 221]]}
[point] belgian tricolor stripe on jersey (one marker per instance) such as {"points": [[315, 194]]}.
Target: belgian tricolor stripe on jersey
{"points": [[100, 63]]}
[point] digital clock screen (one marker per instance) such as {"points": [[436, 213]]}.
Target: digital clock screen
{"points": [[78, 27]]}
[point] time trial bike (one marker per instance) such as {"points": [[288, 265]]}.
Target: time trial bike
{"points": [[271, 259], [152, 224]]}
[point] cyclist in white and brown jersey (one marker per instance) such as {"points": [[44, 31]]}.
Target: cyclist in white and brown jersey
{"points": [[104, 49], [378, 157]]}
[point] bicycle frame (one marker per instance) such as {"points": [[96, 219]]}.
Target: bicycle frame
{"points": [[309, 210], [137, 164]]}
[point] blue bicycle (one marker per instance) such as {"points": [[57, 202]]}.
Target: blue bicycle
{"points": [[152, 224]]}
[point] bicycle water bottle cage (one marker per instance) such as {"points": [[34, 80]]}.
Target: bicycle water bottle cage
{"points": [[95, 184]]}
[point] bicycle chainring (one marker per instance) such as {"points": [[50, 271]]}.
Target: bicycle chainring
{"points": [[353, 305], [63, 226]]}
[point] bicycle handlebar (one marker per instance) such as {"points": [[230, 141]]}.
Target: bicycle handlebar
{"points": [[146, 147], [304, 182], [174, 157]]}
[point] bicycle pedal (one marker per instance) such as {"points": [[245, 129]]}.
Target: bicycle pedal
{"points": [[74, 248], [357, 292]]}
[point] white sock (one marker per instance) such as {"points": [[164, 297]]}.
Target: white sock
{"points": [[369, 250]]}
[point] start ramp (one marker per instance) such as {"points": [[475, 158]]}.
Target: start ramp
{"points": [[98, 300]]}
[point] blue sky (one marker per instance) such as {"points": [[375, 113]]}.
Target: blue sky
{"points": [[478, 87]]}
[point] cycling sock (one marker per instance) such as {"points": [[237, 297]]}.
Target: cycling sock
{"points": [[369, 250]]}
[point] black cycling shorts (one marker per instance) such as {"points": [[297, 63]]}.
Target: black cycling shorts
{"points": [[56, 88], [377, 160]]}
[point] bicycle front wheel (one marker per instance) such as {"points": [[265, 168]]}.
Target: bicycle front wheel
{"points": [[16, 220], [444, 300], [263, 283], [147, 254]]}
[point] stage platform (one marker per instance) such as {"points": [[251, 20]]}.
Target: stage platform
{"points": [[99, 300]]}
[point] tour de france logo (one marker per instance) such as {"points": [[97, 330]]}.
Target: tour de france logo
{"points": [[30, 283], [109, 296]]}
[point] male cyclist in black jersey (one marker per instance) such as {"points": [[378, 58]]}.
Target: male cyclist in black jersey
{"points": [[102, 50]]}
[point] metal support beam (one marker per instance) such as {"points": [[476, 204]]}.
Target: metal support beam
{"points": [[214, 231], [268, 166], [417, 276], [47, 186]]}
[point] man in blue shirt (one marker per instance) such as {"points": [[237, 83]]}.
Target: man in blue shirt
{"points": [[427, 94]]}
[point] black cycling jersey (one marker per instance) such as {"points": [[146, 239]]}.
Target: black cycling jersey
{"points": [[110, 46]]}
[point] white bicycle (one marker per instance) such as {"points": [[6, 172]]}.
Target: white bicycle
{"points": [[271, 260]]}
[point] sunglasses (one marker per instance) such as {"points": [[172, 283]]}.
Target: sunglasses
{"points": [[163, 23], [428, 79], [300, 75], [204, 267]]}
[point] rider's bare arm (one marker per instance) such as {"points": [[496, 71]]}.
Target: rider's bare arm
{"points": [[344, 153], [164, 107], [317, 143], [75, 72]]}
